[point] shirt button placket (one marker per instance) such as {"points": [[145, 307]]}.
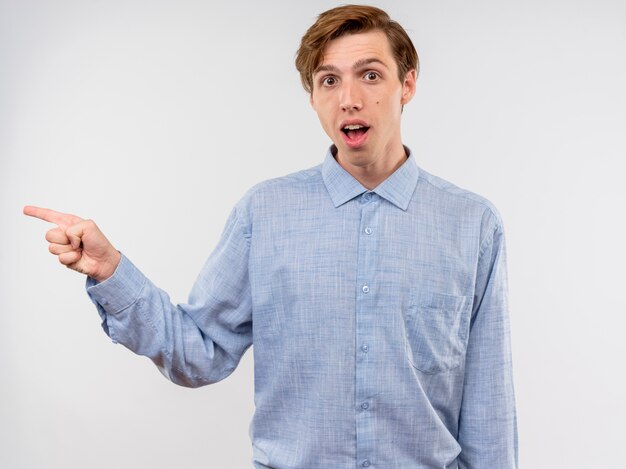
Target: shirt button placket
{"points": [[365, 378]]}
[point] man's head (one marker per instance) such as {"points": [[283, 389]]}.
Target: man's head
{"points": [[353, 19], [360, 69]]}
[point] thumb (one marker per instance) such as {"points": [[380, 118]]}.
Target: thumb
{"points": [[75, 234], [75, 241]]}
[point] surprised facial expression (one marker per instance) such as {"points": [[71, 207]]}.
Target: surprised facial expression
{"points": [[358, 97]]}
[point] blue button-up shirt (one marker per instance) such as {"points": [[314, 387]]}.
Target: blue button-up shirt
{"points": [[379, 322]]}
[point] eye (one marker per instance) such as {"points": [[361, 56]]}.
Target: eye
{"points": [[329, 80], [371, 76]]}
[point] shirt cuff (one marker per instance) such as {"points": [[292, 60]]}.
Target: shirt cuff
{"points": [[120, 290]]}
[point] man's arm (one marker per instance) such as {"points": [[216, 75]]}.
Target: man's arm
{"points": [[192, 344], [487, 425]]}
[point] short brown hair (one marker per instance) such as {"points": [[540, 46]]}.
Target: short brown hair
{"points": [[352, 19]]}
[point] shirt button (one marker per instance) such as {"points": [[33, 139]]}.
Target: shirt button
{"points": [[365, 406], [366, 463], [365, 348], [104, 301], [365, 289], [368, 230]]}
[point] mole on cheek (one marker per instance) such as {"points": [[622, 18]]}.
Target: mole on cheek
{"points": [[377, 102]]}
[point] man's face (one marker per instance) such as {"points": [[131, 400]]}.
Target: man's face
{"points": [[358, 98]]}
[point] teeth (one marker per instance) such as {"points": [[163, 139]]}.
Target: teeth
{"points": [[354, 127]]}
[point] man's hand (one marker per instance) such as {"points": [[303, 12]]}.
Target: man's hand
{"points": [[79, 244]]}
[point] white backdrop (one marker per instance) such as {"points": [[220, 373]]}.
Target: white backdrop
{"points": [[154, 118]]}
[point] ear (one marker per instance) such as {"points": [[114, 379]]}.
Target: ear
{"points": [[311, 102], [408, 86]]}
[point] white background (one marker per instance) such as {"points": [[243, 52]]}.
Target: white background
{"points": [[154, 118]]}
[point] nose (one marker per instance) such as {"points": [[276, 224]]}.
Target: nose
{"points": [[349, 98]]}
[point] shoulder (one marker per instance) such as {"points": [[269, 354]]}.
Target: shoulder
{"points": [[447, 200], [298, 180], [271, 192], [436, 188]]}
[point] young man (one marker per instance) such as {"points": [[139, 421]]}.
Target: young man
{"points": [[374, 293]]}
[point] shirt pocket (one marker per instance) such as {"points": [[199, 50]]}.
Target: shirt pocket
{"points": [[436, 331]]}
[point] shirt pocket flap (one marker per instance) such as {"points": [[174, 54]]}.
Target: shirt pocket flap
{"points": [[436, 300]]}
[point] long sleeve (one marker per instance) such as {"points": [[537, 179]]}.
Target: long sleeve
{"points": [[487, 423], [192, 344]]}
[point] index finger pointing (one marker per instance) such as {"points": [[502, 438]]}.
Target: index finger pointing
{"points": [[51, 216]]}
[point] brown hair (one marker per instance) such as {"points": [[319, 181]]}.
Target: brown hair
{"points": [[352, 19]]}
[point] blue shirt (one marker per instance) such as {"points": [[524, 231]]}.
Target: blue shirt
{"points": [[379, 322]]}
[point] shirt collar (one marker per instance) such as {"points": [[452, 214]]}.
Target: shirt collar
{"points": [[398, 188]]}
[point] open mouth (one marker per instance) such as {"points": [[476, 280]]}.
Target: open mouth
{"points": [[355, 131]]}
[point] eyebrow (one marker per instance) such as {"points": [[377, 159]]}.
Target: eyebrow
{"points": [[357, 65], [363, 62]]}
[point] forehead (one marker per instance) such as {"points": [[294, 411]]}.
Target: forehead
{"points": [[348, 49]]}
